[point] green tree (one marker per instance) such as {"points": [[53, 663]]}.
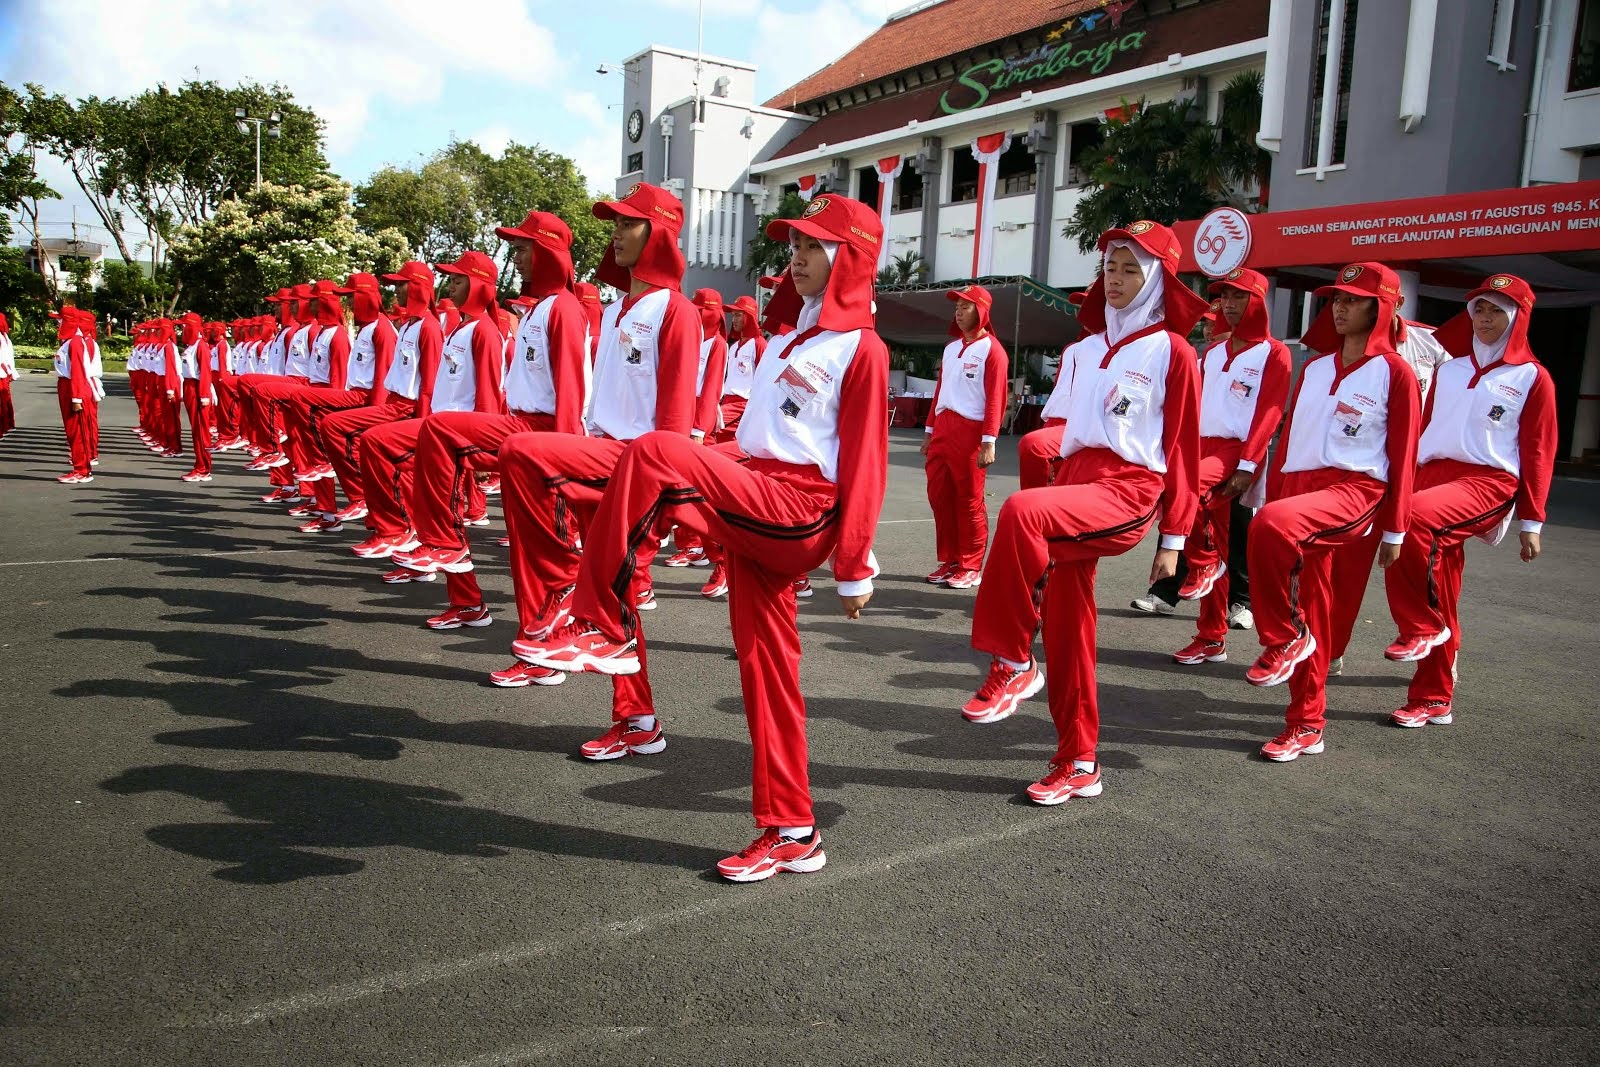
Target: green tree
{"points": [[908, 268], [1166, 162], [456, 198], [22, 293], [20, 185], [126, 293], [278, 236], [763, 255]]}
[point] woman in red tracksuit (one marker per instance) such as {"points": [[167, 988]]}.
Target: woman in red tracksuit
{"points": [[1488, 448], [470, 365], [692, 548], [546, 388], [407, 392], [1244, 377], [804, 480], [75, 395], [1344, 466], [746, 346], [969, 401], [194, 369], [8, 374], [1131, 452]]}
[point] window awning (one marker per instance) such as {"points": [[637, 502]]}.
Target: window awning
{"points": [[1026, 313]]}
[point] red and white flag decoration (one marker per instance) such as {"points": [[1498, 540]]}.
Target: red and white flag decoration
{"points": [[987, 150], [808, 187], [889, 169]]}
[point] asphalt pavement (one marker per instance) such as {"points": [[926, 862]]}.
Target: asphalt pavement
{"points": [[254, 813]]}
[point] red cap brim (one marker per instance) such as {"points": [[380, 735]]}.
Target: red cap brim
{"points": [[614, 209]]}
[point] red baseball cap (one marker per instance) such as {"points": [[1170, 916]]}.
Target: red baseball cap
{"points": [[1153, 237], [366, 282], [973, 294], [300, 292], [541, 227], [770, 281], [709, 299], [473, 264], [414, 271], [279, 297], [1508, 286], [746, 304], [649, 202], [1242, 279], [1366, 279], [834, 218]]}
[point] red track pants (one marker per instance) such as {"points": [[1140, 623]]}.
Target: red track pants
{"points": [[342, 432], [451, 448], [303, 417], [78, 426], [1039, 454], [956, 490], [1209, 539], [550, 485], [1294, 542], [8, 410], [227, 407], [772, 520], [1047, 544], [199, 425], [271, 393], [1452, 502]]}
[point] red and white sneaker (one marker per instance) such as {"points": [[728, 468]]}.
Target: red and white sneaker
{"points": [[963, 579], [196, 476], [624, 740], [74, 478], [379, 546], [1200, 650], [717, 584], [352, 512], [305, 476], [322, 524], [1064, 782], [1421, 713], [580, 646], [503, 542], [1202, 580], [256, 464], [689, 557], [284, 494], [273, 459], [1278, 662], [401, 576], [480, 519], [172, 453], [771, 853], [426, 559], [555, 614], [1002, 691], [306, 510], [520, 674], [491, 485], [1417, 648], [942, 573], [645, 601], [802, 588], [1289, 745], [456, 618]]}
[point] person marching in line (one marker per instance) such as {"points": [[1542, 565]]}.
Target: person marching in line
{"points": [[356, 373], [1131, 452], [969, 400], [260, 437], [194, 368], [8, 374], [1487, 450], [467, 378], [169, 391], [226, 359], [546, 389], [744, 353], [693, 551], [328, 351], [273, 392], [74, 394], [408, 391], [1244, 377], [781, 499], [1344, 466], [644, 380], [97, 372]]}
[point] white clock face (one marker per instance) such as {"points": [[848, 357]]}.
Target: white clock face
{"points": [[635, 126]]}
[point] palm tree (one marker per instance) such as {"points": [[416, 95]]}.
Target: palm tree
{"points": [[908, 268]]}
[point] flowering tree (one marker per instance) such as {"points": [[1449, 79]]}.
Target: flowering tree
{"points": [[281, 235]]}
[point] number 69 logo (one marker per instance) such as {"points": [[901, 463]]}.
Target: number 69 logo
{"points": [[1222, 242]]}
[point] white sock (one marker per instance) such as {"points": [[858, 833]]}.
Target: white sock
{"points": [[1083, 765], [799, 833], [1013, 664], [642, 722]]}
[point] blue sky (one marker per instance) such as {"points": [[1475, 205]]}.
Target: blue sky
{"points": [[395, 80]]}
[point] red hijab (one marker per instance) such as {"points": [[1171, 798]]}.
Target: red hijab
{"points": [[1360, 279], [712, 321], [980, 298], [1256, 325], [660, 262]]}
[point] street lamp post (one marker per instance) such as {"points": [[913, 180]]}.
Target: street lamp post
{"points": [[242, 120]]}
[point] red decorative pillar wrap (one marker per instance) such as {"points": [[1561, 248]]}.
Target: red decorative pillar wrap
{"points": [[889, 169], [987, 150], [808, 187]]}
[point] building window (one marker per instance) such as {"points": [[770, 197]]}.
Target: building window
{"points": [[1335, 49], [1014, 172], [1500, 26], [1585, 73], [908, 190], [867, 186], [1083, 150], [636, 163], [963, 176]]}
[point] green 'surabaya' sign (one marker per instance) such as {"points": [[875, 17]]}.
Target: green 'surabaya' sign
{"points": [[1044, 63]]}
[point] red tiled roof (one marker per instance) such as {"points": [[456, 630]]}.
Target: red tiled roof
{"points": [[947, 28]]}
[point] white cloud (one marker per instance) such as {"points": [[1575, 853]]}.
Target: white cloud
{"points": [[338, 56], [595, 149], [793, 42]]}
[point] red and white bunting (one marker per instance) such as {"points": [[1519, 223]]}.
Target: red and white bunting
{"points": [[987, 150]]}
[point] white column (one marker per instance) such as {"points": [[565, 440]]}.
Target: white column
{"points": [[738, 231]]}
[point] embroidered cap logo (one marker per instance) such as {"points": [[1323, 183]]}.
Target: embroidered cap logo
{"points": [[1499, 281], [1350, 273], [1140, 227], [817, 206]]}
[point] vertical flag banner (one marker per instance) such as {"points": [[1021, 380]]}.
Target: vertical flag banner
{"points": [[987, 150], [889, 169]]}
